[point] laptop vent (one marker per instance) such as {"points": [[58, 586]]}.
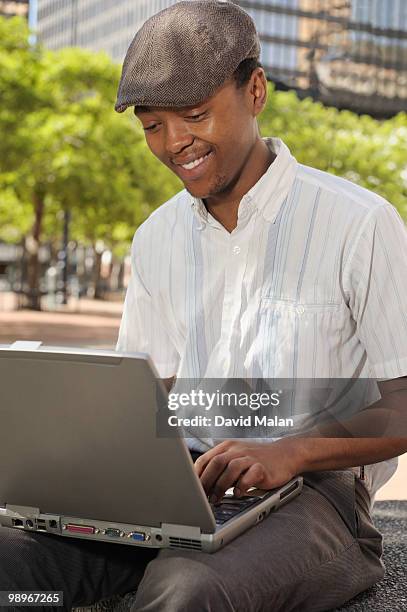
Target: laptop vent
{"points": [[185, 543]]}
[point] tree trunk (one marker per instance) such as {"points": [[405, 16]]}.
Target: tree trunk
{"points": [[120, 277], [32, 246], [97, 268]]}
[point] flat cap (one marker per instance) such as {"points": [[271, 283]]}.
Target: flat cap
{"points": [[184, 53]]}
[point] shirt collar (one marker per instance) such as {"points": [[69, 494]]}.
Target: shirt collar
{"points": [[270, 191]]}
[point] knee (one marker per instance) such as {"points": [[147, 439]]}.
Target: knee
{"points": [[177, 583]]}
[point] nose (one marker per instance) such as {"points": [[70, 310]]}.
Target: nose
{"points": [[177, 135]]}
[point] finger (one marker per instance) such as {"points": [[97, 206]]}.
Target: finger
{"points": [[202, 461], [255, 476], [231, 474], [213, 470]]}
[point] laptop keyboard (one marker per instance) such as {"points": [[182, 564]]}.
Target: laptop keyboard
{"points": [[229, 508]]}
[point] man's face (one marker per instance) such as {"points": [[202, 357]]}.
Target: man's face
{"points": [[206, 145]]}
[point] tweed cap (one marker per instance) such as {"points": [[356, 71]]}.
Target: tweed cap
{"points": [[184, 53]]}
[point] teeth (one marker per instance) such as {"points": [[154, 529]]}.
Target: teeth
{"points": [[194, 163]]}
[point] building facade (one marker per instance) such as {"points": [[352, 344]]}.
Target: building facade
{"points": [[12, 8], [346, 53], [98, 25]]}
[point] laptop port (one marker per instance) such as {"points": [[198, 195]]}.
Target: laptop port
{"points": [[113, 533], [81, 529], [53, 524], [290, 489], [18, 523], [29, 524], [139, 536]]}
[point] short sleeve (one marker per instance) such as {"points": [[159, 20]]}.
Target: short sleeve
{"points": [[142, 329], [376, 283]]}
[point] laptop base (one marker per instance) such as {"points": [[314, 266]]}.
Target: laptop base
{"points": [[166, 536]]}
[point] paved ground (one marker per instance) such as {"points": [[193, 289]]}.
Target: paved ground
{"points": [[389, 595], [83, 323], [95, 323]]}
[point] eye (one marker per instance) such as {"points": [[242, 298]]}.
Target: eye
{"points": [[196, 116], [150, 128]]}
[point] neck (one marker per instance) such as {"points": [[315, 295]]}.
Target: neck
{"points": [[224, 206]]}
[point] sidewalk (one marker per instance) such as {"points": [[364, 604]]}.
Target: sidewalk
{"points": [[95, 323], [396, 488], [90, 323]]}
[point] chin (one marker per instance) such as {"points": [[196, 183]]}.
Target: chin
{"points": [[197, 192], [206, 191], [199, 195]]}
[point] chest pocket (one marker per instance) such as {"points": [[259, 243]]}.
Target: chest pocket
{"points": [[297, 340]]}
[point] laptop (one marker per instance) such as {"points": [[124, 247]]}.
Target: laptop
{"points": [[81, 457]]}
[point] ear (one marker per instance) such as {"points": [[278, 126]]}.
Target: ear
{"points": [[258, 90]]}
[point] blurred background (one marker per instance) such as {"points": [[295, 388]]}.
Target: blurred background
{"points": [[76, 178]]}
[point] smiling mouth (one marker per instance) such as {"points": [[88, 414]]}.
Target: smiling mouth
{"points": [[195, 163]]}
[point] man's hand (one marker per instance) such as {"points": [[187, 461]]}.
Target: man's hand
{"points": [[272, 464], [246, 464]]}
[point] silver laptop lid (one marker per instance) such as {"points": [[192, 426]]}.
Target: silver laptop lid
{"points": [[78, 437]]}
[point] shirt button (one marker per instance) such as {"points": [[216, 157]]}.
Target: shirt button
{"points": [[236, 250], [300, 310]]}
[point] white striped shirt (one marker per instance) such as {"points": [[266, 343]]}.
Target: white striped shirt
{"points": [[310, 284]]}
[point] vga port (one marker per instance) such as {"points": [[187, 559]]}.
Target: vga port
{"points": [[139, 536]]}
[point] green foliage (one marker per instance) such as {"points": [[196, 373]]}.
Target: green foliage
{"points": [[361, 149], [16, 217], [64, 141]]}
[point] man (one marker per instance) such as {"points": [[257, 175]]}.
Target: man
{"points": [[261, 268]]}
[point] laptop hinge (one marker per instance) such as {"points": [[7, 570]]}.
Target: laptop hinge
{"points": [[184, 530], [26, 345]]}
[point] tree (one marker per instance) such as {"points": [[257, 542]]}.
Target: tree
{"points": [[67, 149], [359, 148]]}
